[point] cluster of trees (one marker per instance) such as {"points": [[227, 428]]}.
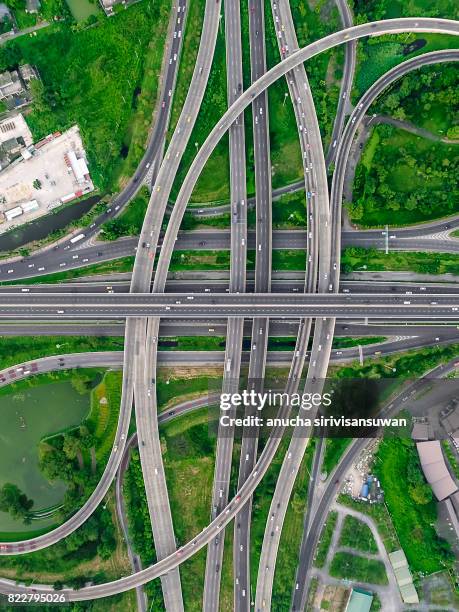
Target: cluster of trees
{"points": [[429, 191], [418, 489], [62, 458], [413, 97], [5, 24], [15, 502], [374, 10], [82, 380]]}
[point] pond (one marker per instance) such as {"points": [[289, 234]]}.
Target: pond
{"points": [[82, 9], [27, 415], [43, 226]]}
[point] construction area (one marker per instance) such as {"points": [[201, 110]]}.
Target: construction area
{"points": [[41, 176]]}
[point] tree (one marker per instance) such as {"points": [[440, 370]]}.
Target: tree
{"points": [[421, 493], [71, 446], [13, 501]]}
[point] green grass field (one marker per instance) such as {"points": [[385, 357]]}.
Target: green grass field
{"points": [[353, 567], [356, 534]]}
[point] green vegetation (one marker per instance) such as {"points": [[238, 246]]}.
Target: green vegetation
{"points": [[427, 98], [451, 456], [129, 223], [376, 604], [78, 455], [21, 349], [292, 533], [325, 539], [192, 343], [349, 342], [414, 511], [353, 567], [114, 266], [213, 184], [49, 9], [15, 502], [188, 462], [325, 70], [102, 420], [408, 365], [220, 260], [92, 552], [390, 9], [379, 54], [86, 554], [381, 518], [334, 449], [355, 259], [6, 25], [189, 473], [109, 94], [173, 384], [140, 525], [31, 409], [191, 36], [407, 175], [356, 534]]}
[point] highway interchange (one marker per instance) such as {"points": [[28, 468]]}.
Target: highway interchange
{"points": [[144, 310]]}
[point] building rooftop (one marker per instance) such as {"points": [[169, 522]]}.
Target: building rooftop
{"points": [[403, 576], [359, 601], [435, 470], [421, 431]]}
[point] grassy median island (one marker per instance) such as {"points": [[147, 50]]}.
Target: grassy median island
{"points": [[292, 534], [403, 178], [358, 259], [213, 183], [130, 222], [325, 539], [103, 77], [114, 266], [15, 350]]}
